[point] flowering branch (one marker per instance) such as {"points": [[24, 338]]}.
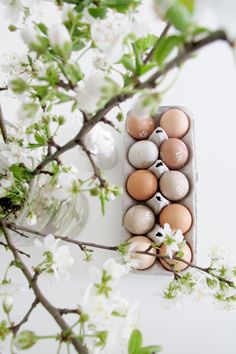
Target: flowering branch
{"points": [[16, 328], [54, 312]]}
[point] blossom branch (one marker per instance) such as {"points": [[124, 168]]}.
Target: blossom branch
{"points": [[21, 252], [190, 48], [53, 311], [115, 248], [16, 328]]}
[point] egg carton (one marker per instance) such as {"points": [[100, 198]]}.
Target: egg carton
{"points": [[190, 201]]}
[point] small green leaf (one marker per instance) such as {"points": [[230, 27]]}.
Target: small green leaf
{"points": [[152, 349], [19, 85], [42, 27], [179, 16], [189, 4], [97, 12], [166, 46], [135, 342]]}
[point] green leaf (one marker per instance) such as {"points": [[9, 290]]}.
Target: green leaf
{"points": [[20, 172], [179, 16], [166, 46], [138, 59], [40, 139], [73, 72], [97, 12], [135, 342], [143, 44], [189, 4], [42, 27], [121, 5], [128, 62], [152, 349], [19, 86]]}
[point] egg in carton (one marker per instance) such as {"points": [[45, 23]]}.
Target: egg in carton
{"points": [[183, 171]]}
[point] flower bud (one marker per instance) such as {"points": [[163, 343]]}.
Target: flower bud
{"points": [[32, 39], [60, 40], [7, 304], [25, 340]]}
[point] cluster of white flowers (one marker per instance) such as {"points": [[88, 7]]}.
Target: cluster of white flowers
{"points": [[173, 239], [17, 10], [59, 257], [111, 314], [108, 35]]}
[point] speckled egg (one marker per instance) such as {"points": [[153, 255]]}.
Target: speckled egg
{"points": [[139, 128], [174, 185], [139, 219], [143, 154], [174, 153]]}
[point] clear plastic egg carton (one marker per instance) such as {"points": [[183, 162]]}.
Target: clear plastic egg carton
{"points": [[190, 171]]}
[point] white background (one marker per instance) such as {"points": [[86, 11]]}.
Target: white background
{"points": [[207, 86]]}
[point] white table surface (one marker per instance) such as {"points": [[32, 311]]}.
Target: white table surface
{"points": [[207, 86]]}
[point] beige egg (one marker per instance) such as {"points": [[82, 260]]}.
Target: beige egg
{"points": [[139, 219], [174, 185], [139, 128], [142, 185], [178, 266], [174, 153], [141, 243], [177, 216], [175, 123], [143, 154]]}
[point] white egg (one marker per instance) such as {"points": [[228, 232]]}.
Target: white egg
{"points": [[143, 154]]}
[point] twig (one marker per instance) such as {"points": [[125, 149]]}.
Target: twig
{"points": [[69, 311], [77, 343], [16, 328], [21, 252], [15, 228], [3, 126], [97, 172], [154, 49], [207, 270]]}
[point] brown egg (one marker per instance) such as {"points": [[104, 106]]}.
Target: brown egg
{"points": [[140, 128], [174, 185], [175, 123], [174, 153], [141, 244], [142, 185], [177, 216], [177, 265]]}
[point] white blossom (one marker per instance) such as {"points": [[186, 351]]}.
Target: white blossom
{"points": [[59, 35], [5, 184], [30, 35], [129, 260], [112, 314], [61, 257], [108, 35], [68, 184], [12, 9], [12, 153], [7, 303], [100, 141], [172, 239], [114, 269], [90, 92]]}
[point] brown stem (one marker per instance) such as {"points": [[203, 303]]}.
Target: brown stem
{"points": [[15, 228], [207, 270], [77, 343], [21, 252], [3, 126], [16, 328], [69, 311], [154, 49]]}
